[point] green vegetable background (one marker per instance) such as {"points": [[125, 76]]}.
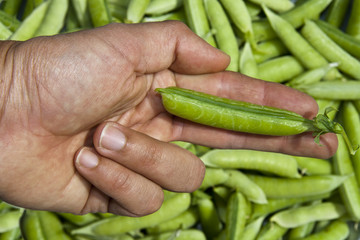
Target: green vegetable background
{"points": [[310, 45]]}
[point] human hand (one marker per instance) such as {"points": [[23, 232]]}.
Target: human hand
{"points": [[72, 90]]}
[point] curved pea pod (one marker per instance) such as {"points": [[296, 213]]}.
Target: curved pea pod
{"points": [[10, 220], [237, 212], [269, 49], [209, 218], [186, 145], [330, 50], [276, 204], [276, 5], [240, 182], [280, 69], [41, 225], [197, 20], [13, 234], [99, 12], [344, 40], [159, 7], [337, 12], [302, 187], [54, 18], [242, 21], [350, 116], [252, 229], [353, 26], [185, 220], [82, 12], [301, 231], [112, 226], [79, 220], [298, 216], [10, 22], [242, 116], [296, 16], [332, 90], [224, 34], [296, 43], [268, 162], [336, 230], [349, 190], [328, 104], [213, 177], [136, 10], [30, 24], [247, 63], [271, 231], [193, 234], [313, 166]]}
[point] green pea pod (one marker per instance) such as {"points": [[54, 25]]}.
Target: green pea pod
{"points": [[252, 229], [337, 12], [241, 183], [349, 190], [213, 177], [5, 33], [243, 116], [347, 42], [197, 20], [247, 63], [353, 26], [298, 216], [330, 49], [209, 218], [238, 211], [54, 18], [82, 12], [136, 10], [13, 234], [159, 7], [280, 69], [351, 120], [38, 225], [302, 187], [224, 34], [334, 231], [99, 12], [193, 234], [276, 204], [266, 162], [29, 25], [269, 49], [296, 16], [79, 220], [185, 220], [112, 226], [9, 220], [11, 22], [271, 231], [332, 90]]}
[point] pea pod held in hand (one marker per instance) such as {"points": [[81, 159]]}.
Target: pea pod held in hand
{"points": [[243, 116]]}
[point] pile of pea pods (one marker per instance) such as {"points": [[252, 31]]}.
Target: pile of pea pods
{"points": [[310, 45]]}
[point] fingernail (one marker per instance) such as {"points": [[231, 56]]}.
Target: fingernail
{"points": [[112, 138], [87, 158]]}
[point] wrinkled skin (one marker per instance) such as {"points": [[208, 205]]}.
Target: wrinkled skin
{"points": [[59, 93]]}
